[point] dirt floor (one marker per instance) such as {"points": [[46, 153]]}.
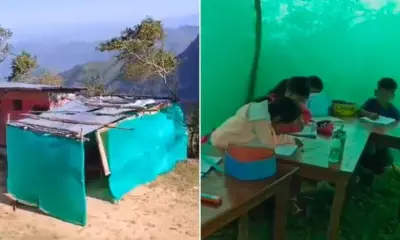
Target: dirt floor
{"points": [[164, 209]]}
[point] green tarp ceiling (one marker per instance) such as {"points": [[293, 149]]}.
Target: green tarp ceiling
{"points": [[349, 44]]}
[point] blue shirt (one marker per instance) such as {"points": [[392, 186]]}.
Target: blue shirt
{"points": [[372, 105]]}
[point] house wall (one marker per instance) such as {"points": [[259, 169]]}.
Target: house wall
{"points": [[15, 103]]}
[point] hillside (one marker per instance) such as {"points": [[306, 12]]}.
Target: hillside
{"points": [[187, 49], [58, 54]]}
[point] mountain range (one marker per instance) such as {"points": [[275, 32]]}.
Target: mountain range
{"points": [[73, 59]]}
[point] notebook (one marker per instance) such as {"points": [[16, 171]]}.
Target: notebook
{"points": [[327, 118], [307, 132], [381, 120], [285, 150]]}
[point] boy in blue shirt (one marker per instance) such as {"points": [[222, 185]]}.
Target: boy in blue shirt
{"points": [[380, 105]]}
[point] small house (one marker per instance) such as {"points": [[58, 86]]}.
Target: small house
{"points": [[128, 141], [18, 98]]}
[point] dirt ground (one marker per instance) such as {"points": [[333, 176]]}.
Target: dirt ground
{"points": [[164, 209]]}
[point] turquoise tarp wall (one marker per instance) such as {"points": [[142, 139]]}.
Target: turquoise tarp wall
{"points": [[48, 172], [136, 157]]}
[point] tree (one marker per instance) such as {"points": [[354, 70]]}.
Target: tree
{"points": [[142, 51], [21, 67], [5, 47], [93, 83], [50, 79]]}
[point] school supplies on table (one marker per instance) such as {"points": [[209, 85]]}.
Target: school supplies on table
{"points": [[211, 199], [285, 150], [344, 109], [380, 121], [210, 162], [325, 127], [327, 118], [308, 131], [338, 142]]}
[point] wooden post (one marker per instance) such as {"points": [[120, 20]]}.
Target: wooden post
{"points": [[81, 135]]}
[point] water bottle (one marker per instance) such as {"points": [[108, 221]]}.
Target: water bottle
{"points": [[337, 145]]}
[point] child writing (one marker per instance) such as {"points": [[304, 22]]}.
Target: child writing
{"points": [[377, 159], [381, 104], [298, 89], [257, 124]]}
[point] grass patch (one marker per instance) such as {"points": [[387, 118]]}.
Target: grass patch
{"points": [[368, 214]]}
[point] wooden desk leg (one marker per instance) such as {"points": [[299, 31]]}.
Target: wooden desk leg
{"points": [[243, 227], [280, 214], [336, 210]]}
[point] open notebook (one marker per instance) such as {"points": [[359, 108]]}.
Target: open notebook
{"points": [[285, 150], [381, 120], [308, 132]]}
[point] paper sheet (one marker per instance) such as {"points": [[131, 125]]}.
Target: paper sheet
{"points": [[205, 166], [381, 120], [285, 150], [306, 132], [327, 118]]}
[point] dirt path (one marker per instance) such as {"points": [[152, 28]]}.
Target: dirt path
{"points": [[165, 209]]}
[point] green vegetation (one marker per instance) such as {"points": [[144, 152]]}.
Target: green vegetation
{"points": [[22, 66], [141, 49]]}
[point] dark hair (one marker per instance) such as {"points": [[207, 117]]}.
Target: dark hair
{"points": [[387, 84], [296, 85], [316, 83], [286, 109], [280, 88]]}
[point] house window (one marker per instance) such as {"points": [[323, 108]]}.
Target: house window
{"points": [[17, 105]]}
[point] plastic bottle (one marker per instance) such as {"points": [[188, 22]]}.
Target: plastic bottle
{"points": [[337, 145]]}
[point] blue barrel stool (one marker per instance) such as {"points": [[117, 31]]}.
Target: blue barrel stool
{"points": [[250, 163]]}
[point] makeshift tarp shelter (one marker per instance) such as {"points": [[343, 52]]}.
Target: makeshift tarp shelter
{"points": [[132, 141], [248, 46]]}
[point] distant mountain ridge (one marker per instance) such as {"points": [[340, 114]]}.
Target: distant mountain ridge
{"points": [[187, 73], [58, 56]]}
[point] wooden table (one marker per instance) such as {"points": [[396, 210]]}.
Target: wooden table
{"points": [[388, 136], [314, 164], [238, 197]]}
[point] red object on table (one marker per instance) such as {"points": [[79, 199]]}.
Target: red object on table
{"points": [[325, 128]]}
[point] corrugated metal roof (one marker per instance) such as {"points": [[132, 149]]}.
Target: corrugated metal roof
{"points": [[77, 116], [35, 87], [73, 106]]}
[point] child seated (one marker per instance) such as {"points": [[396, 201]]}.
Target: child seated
{"points": [[258, 124], [298, 89], [381, 104], [377, 159]]}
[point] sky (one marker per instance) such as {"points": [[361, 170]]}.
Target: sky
{"points": [[17, 14]]}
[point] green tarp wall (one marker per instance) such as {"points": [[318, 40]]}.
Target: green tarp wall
{"points": [[349, 44], [48, 172], [136, 157]]}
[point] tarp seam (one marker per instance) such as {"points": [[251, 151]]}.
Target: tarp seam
{"points": [[256, 58]]}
